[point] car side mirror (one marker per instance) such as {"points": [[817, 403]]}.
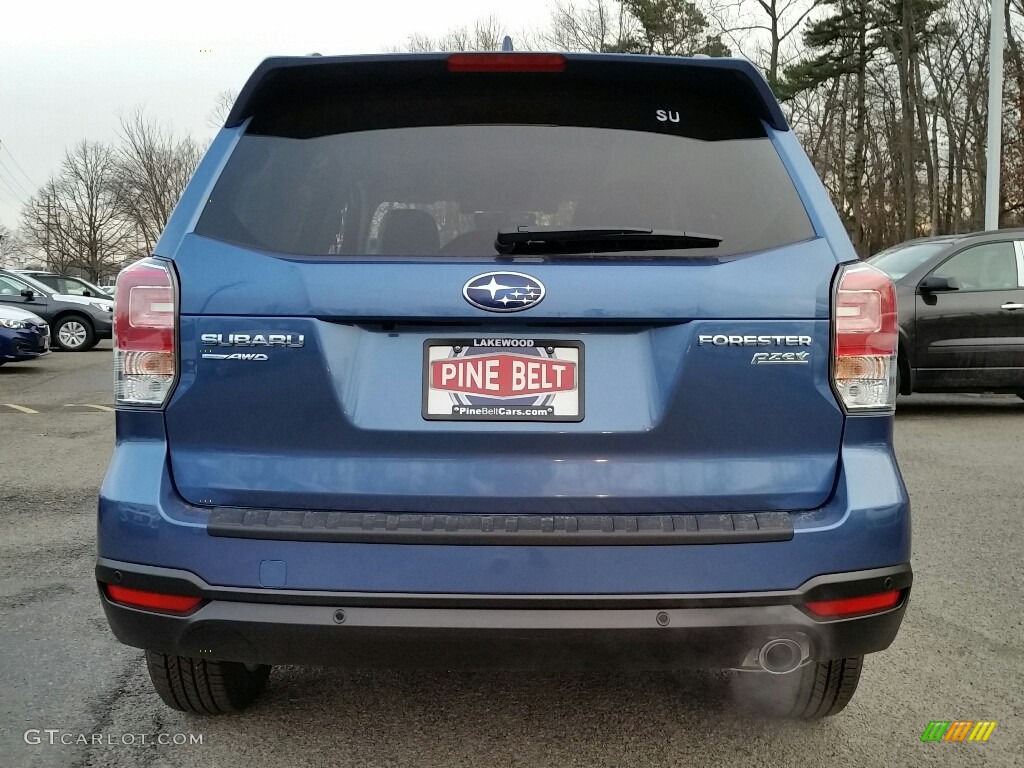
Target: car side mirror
{"points": [[932, 284], [28, 293], [87, 292]]}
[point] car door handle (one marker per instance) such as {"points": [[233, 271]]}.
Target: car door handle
{"points": [[1012, 305]]}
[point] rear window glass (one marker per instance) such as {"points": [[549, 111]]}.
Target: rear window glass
{"points": [[438, 174]]}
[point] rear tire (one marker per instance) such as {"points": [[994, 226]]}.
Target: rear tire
{"points": [[814, 691], [205, 687]]}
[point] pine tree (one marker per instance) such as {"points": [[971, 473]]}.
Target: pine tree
{"points": [[670, 28]]}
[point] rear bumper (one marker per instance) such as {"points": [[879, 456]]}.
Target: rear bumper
{"points": [[561, 632], [143, 519]]}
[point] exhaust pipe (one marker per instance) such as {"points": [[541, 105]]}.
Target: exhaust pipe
{"points": [[780, 656]]}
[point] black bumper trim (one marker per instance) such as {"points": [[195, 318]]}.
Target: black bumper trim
{"points": [[558, 530], [563, 632]]}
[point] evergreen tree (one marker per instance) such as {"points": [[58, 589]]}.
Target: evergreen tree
{"points": [[670, 28]]}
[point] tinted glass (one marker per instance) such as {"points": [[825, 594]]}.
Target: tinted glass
{"points": [[903, 259], [446, 189], [74, 287], [988, 267], [51, 281]]}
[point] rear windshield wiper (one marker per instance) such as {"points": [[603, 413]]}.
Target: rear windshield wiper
{"points": [[558, 240]]}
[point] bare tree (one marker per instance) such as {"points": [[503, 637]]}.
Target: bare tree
{"points": [[1013, 158], [152, 167], [956, 66], [74, 221], [486, 34], [766, 31], [6, 245], [223, 103], [597, 26], [47, 234]]}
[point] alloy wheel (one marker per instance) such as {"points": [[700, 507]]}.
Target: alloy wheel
{"points": [[72, 334]]}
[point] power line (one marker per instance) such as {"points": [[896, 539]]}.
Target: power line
{"points": [[13, 180], [7, 184], [6, 200], [17, 165], [10, 191]]}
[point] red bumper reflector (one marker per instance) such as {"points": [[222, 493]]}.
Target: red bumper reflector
{"points": [[152, 600], [506, 62], [850, 606]]}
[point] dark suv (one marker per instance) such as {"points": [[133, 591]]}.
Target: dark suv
{"points": [[505, 360], [961, 310]]}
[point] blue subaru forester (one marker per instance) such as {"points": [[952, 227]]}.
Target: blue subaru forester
{"points": [[498, 360]]}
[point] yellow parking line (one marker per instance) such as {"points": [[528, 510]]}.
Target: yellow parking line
{"points": [[21, 408], [89, 405]]}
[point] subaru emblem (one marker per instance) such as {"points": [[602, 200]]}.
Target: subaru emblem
{"points": [[503, 291]]}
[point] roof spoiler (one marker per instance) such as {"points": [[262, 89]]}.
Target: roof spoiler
{"points": [[734, 81]]}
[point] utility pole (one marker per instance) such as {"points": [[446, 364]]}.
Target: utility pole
{"points": [[994, 145], [49, 223]]}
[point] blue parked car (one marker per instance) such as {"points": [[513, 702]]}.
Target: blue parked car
{"points": [[23, 335], [505, 360]]}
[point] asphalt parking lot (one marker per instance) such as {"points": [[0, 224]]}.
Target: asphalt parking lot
{"points": [[960, 654]]}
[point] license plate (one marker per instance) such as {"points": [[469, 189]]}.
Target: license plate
{"points": [[503, 379]]}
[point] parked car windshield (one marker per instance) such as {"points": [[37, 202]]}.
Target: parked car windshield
{"points": [[390, 180], [901, 260]]}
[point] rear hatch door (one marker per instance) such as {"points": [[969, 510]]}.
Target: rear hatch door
{"points": [[352, 339]]}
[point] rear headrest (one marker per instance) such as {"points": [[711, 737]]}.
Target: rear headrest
{"points": [[1000, 272], [408, 231]]}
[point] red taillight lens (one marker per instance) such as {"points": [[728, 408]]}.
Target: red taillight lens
{"points": [[155, 601], [851, 606], [506, 62], [866, 339], [145, 360]]}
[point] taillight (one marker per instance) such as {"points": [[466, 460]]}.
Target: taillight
{"points": [[145, 313], [506, 62], [866, 339]]}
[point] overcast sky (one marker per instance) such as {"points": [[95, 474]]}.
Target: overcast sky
{"points": [[68, 68]]}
